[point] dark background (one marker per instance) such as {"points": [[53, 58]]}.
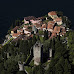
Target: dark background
{"points": [[13, 9]]}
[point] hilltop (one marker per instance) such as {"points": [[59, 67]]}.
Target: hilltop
{"points": [[54, 23], [39, 45]]}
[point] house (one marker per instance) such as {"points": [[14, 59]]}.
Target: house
{"points": [[57, 30], [51, 22], [22, 37], [38, 26], [50, 26], [58, 21], [15, 35], [52, 14], [27, 32], [35, 21], [14, 30], [44, 26], [21, 31], [27, 19]]}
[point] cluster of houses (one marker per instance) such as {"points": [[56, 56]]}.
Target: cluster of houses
{"points": [[32, 25]]}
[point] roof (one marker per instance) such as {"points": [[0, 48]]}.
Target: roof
{"points": [[50, 26], [37, 25], [57, 29], [14, 29], [30, 18], [44, 26], [21, 37], [15, 34], [63, 30], [57, 19], [29, 30], [52, 13], [51, 22]]}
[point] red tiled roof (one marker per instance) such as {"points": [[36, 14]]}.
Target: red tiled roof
{"points": [[15, 34], [37, 25], [14, 29], [50, 26], [43, 25], [51, 22], [52, 13], [57, 29], [20, 37], [57, 19]]}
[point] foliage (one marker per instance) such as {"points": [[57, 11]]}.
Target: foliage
{"points": [[38, 70], [66, 21], [40, 32], [60, 63], [59, 13], [70, 35], [18, 52], [45, 35]]}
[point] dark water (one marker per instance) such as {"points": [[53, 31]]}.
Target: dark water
{"points": [[13, 9]]}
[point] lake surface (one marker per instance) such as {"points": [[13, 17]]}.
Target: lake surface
{"points": [[13, 9]]}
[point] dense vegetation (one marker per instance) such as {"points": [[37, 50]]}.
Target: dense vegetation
{"points": [[61, 63], [18, 52]]}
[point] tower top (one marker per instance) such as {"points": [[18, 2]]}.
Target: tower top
{"points": [[38, 44]]}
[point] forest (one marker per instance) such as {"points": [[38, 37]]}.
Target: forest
{"points": [[62, 61]]}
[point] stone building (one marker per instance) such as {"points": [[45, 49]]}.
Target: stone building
{"points": [[34, 29], [38, 53], [21, 66]]}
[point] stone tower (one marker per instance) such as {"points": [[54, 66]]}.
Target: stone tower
{"points": [[37, 52]]}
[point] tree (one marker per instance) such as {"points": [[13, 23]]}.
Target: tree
{"points": [[20, 72], [45, 35], [60, 13], [38, 70], [67, 67], [34, 39]]}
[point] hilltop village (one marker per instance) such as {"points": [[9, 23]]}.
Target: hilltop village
{"points": [[32, 25], [37, 45]]}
